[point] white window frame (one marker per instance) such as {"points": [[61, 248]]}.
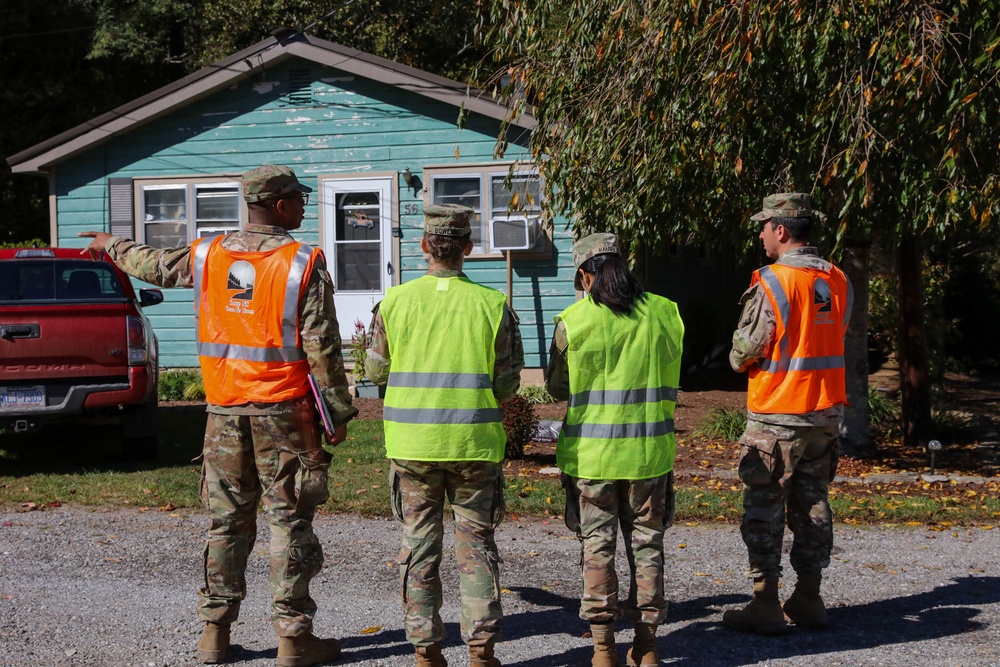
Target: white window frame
{"points": [[190, 186], [486, 173]]}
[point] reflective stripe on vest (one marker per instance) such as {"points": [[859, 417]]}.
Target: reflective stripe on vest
{"points": [[439, 402], [441, 380], [234, 367], [613, 430], [442, 415], [807, 374], [608, 397]]}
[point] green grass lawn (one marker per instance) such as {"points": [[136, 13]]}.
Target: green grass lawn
{"points": [[84, 465]]}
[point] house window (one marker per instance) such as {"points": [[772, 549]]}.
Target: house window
{"points": [[503, 203], [174, 214]]}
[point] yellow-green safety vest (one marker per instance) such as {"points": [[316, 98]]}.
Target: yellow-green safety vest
{"points": [[439, 402], [624, 373]]}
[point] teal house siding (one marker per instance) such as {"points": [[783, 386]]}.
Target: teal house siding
{"points": [[328, 116]]}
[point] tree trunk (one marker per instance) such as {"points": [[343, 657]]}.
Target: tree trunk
{"points": [[856, 434], [914, 385]]}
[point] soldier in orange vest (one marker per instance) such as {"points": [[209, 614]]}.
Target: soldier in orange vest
{"points": [[790, 340], [265, 323]]}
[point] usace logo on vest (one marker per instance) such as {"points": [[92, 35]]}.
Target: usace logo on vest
{"points": [[242, 276], [823, 298]]}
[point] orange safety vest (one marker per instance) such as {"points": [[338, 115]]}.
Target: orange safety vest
{"points": [[246, 308], [804, 370]]}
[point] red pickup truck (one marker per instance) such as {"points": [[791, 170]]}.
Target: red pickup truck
{"points": [[75, 345]]}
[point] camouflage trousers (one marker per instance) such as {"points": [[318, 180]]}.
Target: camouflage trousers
{"points": [[475, 491], [644, 509], [787, 466], [277, 458]]}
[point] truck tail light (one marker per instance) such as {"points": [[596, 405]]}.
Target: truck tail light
{"points": [[138, 353]]}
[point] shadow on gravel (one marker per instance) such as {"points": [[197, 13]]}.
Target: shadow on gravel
{"points": [[942, 612]]}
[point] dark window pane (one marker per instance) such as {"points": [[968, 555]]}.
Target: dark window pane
{"points": [[217, 203], [165, 204], [359, 267]]}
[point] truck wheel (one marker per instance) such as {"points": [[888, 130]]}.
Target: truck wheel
{"points": [[139, 431]]}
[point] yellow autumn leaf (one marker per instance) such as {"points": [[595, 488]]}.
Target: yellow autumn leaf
{"points": [[913, 523], [691, 523], [701, 574], [682, 545], [987, 527], [372, 630]]}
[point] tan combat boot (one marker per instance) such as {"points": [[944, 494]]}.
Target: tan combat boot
{"points": [[643, 651], [306, 650], [482, 656], [430, 656], [763, 615], [805, 607], [213, 644], [605, 654]]}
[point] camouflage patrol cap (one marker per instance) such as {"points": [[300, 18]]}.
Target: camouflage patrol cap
{"points": [[447, 219], [268, 181], [588, 246], [785, 205]]}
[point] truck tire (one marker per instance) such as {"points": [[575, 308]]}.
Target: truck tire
{"points": [[139, 431]]}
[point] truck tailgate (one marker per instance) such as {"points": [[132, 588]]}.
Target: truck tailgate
{"points": [[38, 343]]}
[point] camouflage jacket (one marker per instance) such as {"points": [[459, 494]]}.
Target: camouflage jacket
{"points": [[755, 332], [171, 267], [557, 372], [508, 348]]}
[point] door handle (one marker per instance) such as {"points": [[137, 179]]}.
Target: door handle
{"points": [[388, 267]]}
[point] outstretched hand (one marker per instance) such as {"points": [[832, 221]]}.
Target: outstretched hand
{"points": [[96, 246]]}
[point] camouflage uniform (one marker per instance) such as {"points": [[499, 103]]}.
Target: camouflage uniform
{"points": [[473, 488], [475, 491], [269, 451], [784, 458], [645, 509]]}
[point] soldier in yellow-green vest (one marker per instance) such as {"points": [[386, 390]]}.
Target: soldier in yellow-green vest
{"points": [[616, 358], [448, 350]]}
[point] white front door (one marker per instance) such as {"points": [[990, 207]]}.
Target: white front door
{"points": [[357, 240]]}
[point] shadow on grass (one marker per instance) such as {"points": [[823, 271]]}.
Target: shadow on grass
{"points": [[73, 447]]}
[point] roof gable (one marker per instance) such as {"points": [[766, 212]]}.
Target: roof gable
{"points": [[222, 74]]}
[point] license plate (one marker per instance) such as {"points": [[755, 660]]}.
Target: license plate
{"points": [[22, 397]]}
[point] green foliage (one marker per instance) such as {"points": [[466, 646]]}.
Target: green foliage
{"points": [[535, 394], [726, 423], [669, 119], [195, 391], [434, 35], [31, 243], [181, 385], [359, 348], [519, 422], [883, 411]]}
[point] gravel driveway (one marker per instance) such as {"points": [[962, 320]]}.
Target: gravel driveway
{"points": [[82, 586]]}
